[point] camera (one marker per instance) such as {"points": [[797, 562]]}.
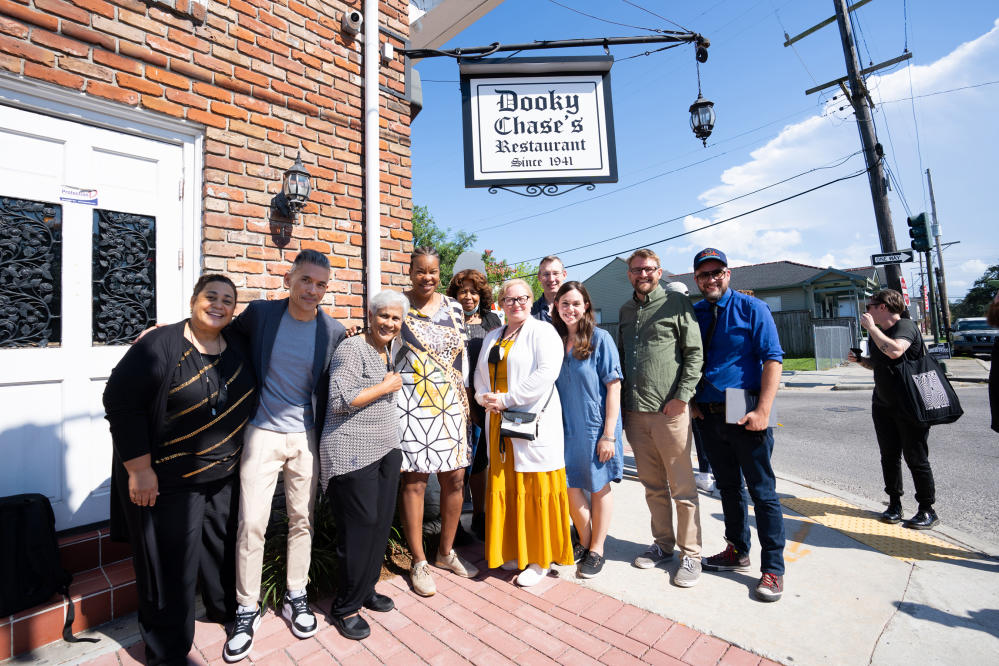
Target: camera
{"points": [[351, 22]]}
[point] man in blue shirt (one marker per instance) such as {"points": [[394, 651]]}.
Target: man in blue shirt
{"points": [[741, 350]]}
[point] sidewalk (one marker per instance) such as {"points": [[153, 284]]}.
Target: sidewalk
{"points": [[856, 592], [852, 377]]}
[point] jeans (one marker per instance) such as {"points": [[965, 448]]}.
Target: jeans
{"points": [[703, 464], [737, 453], [898, 438]]}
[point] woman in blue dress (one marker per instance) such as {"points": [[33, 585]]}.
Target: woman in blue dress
{"points": [[590, 388]]}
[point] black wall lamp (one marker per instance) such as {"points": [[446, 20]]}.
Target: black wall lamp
{"points": [[295, 189]]}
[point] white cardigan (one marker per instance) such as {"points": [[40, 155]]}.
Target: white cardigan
{"points": [[532, 367]]}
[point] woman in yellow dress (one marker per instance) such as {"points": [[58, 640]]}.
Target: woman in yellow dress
{"points": [[527, 505]]}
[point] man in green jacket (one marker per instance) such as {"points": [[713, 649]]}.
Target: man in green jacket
{"points": [[660, 345]]}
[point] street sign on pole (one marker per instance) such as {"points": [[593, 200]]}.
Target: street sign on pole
{"points": [[900, 257]]}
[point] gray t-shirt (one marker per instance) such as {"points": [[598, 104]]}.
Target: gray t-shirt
{"points": [[286, 396]]}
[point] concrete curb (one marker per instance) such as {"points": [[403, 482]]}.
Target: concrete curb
{"points": [[845, 386]]}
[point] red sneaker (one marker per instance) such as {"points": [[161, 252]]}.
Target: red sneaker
{"points": [[728, 560], [770, 587]]}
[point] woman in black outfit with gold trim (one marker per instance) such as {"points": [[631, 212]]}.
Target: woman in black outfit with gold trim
{"points": [[177, 403]]}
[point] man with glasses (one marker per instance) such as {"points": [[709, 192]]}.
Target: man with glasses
{"points": [[893, 338], [741, 350], [660, 347], [551, 275]]}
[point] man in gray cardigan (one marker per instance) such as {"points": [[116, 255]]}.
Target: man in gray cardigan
{"points": [[291, 343]]}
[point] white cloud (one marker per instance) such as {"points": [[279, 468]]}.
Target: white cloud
{"points": [[974, 267]]}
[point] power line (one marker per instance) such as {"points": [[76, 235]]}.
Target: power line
{"points": [[650, 178], [940, 92], [715, 224], [626, 25], [649, 11], [701, 210]]}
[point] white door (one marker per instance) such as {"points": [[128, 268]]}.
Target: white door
{"points": [[90, 234]]}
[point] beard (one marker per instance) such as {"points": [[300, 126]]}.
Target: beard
{"points": [[993, 314]]}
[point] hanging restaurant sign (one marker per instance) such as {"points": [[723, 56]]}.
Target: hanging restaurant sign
{"points": [[538, 121]]}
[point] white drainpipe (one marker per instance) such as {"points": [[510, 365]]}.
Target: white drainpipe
{"points": [[372, 159]]}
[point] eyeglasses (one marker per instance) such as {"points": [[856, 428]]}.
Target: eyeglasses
{"points": [[643, 270], [516, 300], [710, 275], [550, 274]]}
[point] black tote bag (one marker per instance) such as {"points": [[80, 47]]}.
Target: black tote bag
{"points": [[925, 394]]}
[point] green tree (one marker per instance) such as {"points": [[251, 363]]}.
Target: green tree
{"points": [[447, 243], [976, 301], [498, 270]]}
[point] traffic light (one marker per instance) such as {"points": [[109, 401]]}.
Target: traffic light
{"points": [[919, 233]]}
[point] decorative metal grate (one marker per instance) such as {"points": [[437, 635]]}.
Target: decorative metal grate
{"points": [[124, 276], [30, 273]]}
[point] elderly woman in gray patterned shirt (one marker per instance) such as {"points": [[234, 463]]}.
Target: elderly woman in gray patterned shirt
{"points": [[360, 458]]}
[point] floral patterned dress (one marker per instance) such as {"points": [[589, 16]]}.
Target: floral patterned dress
{"points": [[433, 403]]}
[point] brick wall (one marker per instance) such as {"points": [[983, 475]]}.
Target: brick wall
{"points": [[266, 78]]}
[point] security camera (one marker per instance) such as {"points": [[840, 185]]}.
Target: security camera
{"points": [[351, 22]]}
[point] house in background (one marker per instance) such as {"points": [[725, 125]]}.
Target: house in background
{"points": [[799, 295], [609, 288]]}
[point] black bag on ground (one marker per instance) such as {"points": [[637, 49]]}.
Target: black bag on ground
{"points": [[30, 570], [926, 395]]}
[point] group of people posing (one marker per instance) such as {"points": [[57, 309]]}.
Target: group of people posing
{"points": [[205, 415]]}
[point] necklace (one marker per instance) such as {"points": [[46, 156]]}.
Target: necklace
{"points": [[222, 395], [430, 302]]}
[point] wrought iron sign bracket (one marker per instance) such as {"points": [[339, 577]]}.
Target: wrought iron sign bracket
{"points": [[548, 190]]}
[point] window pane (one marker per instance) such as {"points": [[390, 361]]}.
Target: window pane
{"points": [[30, 273], [124, 276]]}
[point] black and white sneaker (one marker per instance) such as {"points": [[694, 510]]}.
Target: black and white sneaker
{"points": [[297, 611], [591, 565], [240, 640]]}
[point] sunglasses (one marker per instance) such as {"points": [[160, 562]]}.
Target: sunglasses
{"points": [[710, 275], [874, 305]]}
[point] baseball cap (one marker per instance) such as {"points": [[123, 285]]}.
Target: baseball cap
{"points": [[678, 287], [708, 254]]}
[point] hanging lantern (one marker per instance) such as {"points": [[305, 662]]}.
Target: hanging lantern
{"points": [[702, 118]]}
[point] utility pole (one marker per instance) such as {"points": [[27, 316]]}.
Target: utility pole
{"points": [[872, 149], [934, 326], [944, 303], [861, 101]]}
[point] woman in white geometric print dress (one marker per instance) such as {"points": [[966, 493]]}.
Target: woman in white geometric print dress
{"points": [[434, 411]]}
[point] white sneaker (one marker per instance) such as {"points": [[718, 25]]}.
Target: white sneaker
{"points": [[532, 575], [704, 481]]}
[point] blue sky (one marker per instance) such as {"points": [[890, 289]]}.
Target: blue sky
{"points": [[767, 130]]}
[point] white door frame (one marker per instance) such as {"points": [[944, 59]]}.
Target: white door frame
{"points": [[58, 103]]}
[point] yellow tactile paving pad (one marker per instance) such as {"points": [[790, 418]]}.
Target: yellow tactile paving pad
{"points": [[860, 524]]}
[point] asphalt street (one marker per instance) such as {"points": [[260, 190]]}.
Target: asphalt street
{"points": [[827, 437]]}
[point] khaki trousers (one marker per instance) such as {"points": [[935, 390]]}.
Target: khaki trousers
{"points": [[662, 456], [265, 454]]}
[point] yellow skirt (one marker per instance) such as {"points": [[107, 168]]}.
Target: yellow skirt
{"points": [[527, 513]]}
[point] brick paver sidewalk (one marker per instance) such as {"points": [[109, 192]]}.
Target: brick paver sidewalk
{"points": [[488, 621]]}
